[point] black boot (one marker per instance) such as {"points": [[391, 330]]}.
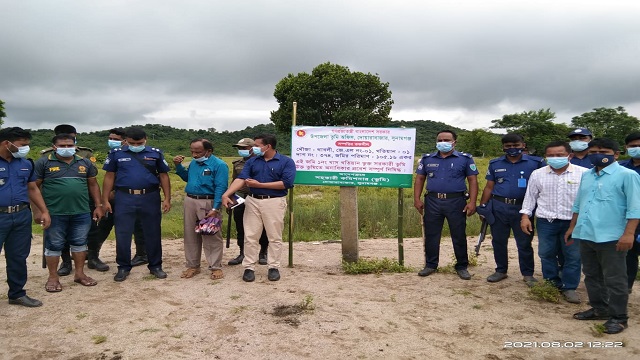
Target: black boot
{"points": [[262, 258], [94, 262], [237, 260]]}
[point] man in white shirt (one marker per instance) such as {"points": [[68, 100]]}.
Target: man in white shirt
{"points": [[553, 190]]}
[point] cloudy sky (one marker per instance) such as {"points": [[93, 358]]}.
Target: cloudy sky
{"points": [[200, 64]]}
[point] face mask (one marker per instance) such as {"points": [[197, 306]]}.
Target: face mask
{"points": [[114, 144], [22, 151], [558, 162], [136, 149], [578, 145], [244, 153], [601, 160], [257, 151], [634, 152], [66, 152], [513, 151], [444, 146], [202, 159]]}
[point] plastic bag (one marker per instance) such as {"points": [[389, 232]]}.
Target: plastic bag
{"points": [[208, 226]]}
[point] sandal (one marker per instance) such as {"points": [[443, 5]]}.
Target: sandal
{"points": [[53, 286], [216, 274], [190, 272], [86, 281]]}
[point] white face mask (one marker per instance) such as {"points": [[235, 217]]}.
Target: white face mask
{"points": [[578, 145], [22, 151]]}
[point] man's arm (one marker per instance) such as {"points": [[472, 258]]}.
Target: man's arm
{"points": [[486, 193], [470, 208], [165, 184], [94, 191], [35, 196], [628, 237], [236, 185], [529, 203], [107, 187], [418, 185]]}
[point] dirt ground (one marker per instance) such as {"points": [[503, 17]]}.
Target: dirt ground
{"points": [[389, 316]]}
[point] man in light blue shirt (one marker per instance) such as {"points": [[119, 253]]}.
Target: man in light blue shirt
{"points": [[606, 213]]}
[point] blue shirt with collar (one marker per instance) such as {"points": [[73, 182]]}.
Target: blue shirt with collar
{"points": [[605, 202], [448, 174], [629, 165], [505, 175], [14, 176], [279, 168], [209, 177], [584, 162], [130, 173]]}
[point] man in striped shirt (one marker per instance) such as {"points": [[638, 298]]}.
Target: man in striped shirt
{"points": [[553, 190]]}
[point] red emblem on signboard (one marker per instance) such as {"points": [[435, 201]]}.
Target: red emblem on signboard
{"points": [[301, 133]]}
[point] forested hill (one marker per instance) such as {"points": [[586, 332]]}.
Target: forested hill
{"points": [[175, 141]]}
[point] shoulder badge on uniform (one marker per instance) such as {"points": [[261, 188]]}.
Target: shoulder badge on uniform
{"points": [[473, 167], [93, 159]]}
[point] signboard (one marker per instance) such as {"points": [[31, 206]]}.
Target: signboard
{"points": [[353, 156]]}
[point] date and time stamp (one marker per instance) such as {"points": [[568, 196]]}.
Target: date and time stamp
{"points": [[562, 344]]}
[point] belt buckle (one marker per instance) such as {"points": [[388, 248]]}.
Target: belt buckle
{"points": [[137, 192], [442, 195], [510, 201], [12, 209]]}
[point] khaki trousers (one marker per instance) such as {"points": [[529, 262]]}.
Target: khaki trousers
{"points": [[267, 214], [194, 211]]}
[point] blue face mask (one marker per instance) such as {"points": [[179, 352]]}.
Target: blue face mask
{"points": [[202, 159], [114, 144], [634, 152], [257, 151], [136, 149], [558, 162], [578, 145], [66, 152], [513, 151], [444, 146], [22, 151], [601, 160], [244, 153]]}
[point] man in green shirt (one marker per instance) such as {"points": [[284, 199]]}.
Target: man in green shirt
{"points": [[66, 180]]}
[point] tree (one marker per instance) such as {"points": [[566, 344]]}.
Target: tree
{"points": [[479, 142], [537, 127], [611, 123], [332, 95], [2, 113]]}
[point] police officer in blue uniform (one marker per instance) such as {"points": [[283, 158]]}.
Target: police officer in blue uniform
{"points": [[632, 144], [507, 178], [579, 143], [137, 171], [17, 187], [445, 172]]}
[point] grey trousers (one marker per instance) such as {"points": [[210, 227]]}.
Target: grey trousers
{"points": [[605, 276], [194, 211]]}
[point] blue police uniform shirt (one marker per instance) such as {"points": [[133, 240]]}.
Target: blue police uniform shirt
{"points": [[209, 177], [447, 175], [505, 175], [14, 176], [279, 168], [629, 165], [584, 162], [130, 173]]}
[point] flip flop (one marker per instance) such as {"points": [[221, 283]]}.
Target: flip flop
{"points": [[86, 281], [216, 274], [53, 286]]}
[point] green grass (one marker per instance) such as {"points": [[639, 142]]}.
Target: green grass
{"points": [[317, 211], [545, 291], [98, 339], [374, 266]]}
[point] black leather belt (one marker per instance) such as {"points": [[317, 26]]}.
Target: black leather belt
{"points": [[264, 196], [137, 191], [445, 195], [13, 209], [207, 197], [508, 201]]}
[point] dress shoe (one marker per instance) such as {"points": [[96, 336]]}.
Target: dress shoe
{"points": [[464, 274], [615, 326], [121, 275], [97, 264], [590, 314], [158, 273], [65, 269], [273, 274], [25, 301], [249, 275], [426, 271], [237, 260], [571, 296], [139, 260], [529, 280], [262, 258], [496, 276]]}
